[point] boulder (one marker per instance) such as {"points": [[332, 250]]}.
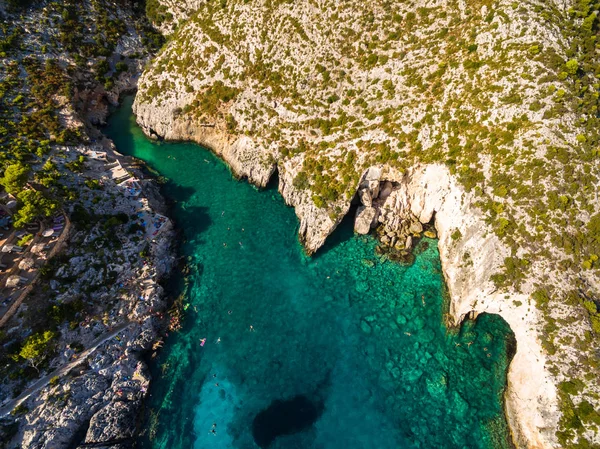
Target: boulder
{"points": [[386, 190], [365, 197], [416, 227], [115, 421], [365, 217], [430, 234], [374, 188], [373, 174], [408, 243]]}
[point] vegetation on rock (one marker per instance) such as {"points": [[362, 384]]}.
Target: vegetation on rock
{"points": [[505, 94]]}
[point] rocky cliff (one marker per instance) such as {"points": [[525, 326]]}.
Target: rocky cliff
{"points": [[422, 193], [478, 113], [63, 65], [430, 192]]}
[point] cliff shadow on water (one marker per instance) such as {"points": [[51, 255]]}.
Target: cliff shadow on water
{"points": [[265, 325], [343, 233]]}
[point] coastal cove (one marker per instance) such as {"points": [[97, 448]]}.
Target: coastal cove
{"points": [[358, 339]]}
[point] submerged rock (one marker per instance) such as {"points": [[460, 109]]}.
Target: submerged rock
{"points": [[403, 257], [365, 327]]}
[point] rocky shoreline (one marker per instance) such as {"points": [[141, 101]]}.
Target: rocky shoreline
{"points": [[106, 394], [400, 204], [100, 401], [483, 111], [92, 389]]}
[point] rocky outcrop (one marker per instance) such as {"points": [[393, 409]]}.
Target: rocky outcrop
{"points": [[429, 191], [365, 219], [316, 224], [244, 156], [115, 422]]}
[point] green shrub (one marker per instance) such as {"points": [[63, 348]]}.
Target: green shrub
{"points": [[301, 181], [20, 410], [456, 234]]}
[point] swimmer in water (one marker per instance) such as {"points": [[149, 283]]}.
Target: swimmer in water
{"points": [[202, 341]]}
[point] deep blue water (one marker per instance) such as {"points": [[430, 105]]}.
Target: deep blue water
{"points": [[344, 350]]}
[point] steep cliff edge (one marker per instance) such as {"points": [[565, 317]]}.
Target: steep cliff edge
{"points": [[428, 191], [482, 112]]}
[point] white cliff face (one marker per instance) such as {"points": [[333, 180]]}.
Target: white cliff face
{"points": [[340, 92], [468, 262], [244, 156], [249, 159], [316, 224]]}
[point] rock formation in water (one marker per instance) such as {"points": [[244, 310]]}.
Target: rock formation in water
{"points": [[481, 113]]}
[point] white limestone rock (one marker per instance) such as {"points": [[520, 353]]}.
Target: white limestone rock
{"points": [[365, 217]]}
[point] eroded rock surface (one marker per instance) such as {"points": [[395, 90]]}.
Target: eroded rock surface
{"points": [[469, 110]]}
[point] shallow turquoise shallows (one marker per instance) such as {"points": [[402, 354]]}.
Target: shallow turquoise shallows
{"points": [[354, 346]]}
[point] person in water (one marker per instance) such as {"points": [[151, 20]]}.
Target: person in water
{"points": [[202, 341]]}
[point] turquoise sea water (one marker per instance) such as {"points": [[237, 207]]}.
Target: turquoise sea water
{"points": [[359, 339]]}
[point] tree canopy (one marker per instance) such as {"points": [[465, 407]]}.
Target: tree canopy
{"points": [[37, 347], [15, 177], [33, 204]]}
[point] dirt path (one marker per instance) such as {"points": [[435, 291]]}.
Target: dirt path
{"points": [[41, 383]]}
